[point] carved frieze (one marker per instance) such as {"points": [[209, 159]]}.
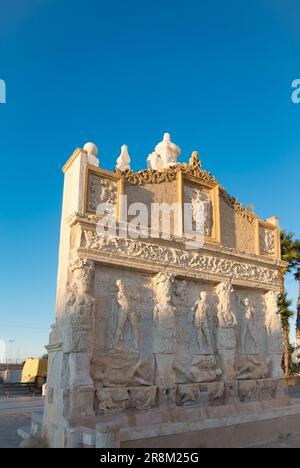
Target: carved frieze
{"points": [[150, 176], [197, 262]]}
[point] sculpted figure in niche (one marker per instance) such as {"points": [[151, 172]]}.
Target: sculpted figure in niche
{"points": [[164, 314], [101, 191], [273, 323], [81, 307], [126, 314], [226, 317], [254, 369], [201, 321], [202, 199], [267, 240], [248, 338]]}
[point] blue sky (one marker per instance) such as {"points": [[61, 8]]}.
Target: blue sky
{"points": [[216, 75]]}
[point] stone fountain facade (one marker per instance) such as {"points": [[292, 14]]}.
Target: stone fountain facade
{"points": [[147, 327]]}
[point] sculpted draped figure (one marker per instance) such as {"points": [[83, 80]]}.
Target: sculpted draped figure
{"points": [[248, 338], [202, 199], [81, 307], [201, 321], [126, 314]]}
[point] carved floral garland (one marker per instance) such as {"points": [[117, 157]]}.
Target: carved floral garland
{"points": [[131, 249]]}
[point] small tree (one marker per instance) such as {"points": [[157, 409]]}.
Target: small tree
{"points": [[286, 313], [290, 253]]}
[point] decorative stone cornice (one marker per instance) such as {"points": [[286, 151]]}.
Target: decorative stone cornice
{"points": [[191, 263], [89, 222]]}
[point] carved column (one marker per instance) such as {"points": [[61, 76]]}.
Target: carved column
{"points": [[274, 333], [226, 331], [164, 332], [77, 339]]}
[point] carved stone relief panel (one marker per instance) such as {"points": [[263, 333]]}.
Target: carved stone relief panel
{"points": [[171, 335], [123, 350], [195, 317], [267, 241], [80, 308], [248, 313], [195, 195], [101, 190]]}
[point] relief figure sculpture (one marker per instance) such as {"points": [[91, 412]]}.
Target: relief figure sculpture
{"points": [[201, 321], [126, 314], [248, 338]]}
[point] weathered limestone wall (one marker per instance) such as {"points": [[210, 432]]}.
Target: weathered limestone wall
{"points": [[148, 323]]}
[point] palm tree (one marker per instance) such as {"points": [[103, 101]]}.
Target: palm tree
{"points": [[290, 253], [285, 311], [297, 278]]}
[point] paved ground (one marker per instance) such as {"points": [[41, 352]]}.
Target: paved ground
{"points": [[15, 413], [291, 441]]}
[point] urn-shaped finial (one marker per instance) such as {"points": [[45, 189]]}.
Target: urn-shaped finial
{"points": [[168, 151]]}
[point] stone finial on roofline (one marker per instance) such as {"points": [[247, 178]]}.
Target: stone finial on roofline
{"points": [[92, 151], [123, 161], [165, 155]]}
